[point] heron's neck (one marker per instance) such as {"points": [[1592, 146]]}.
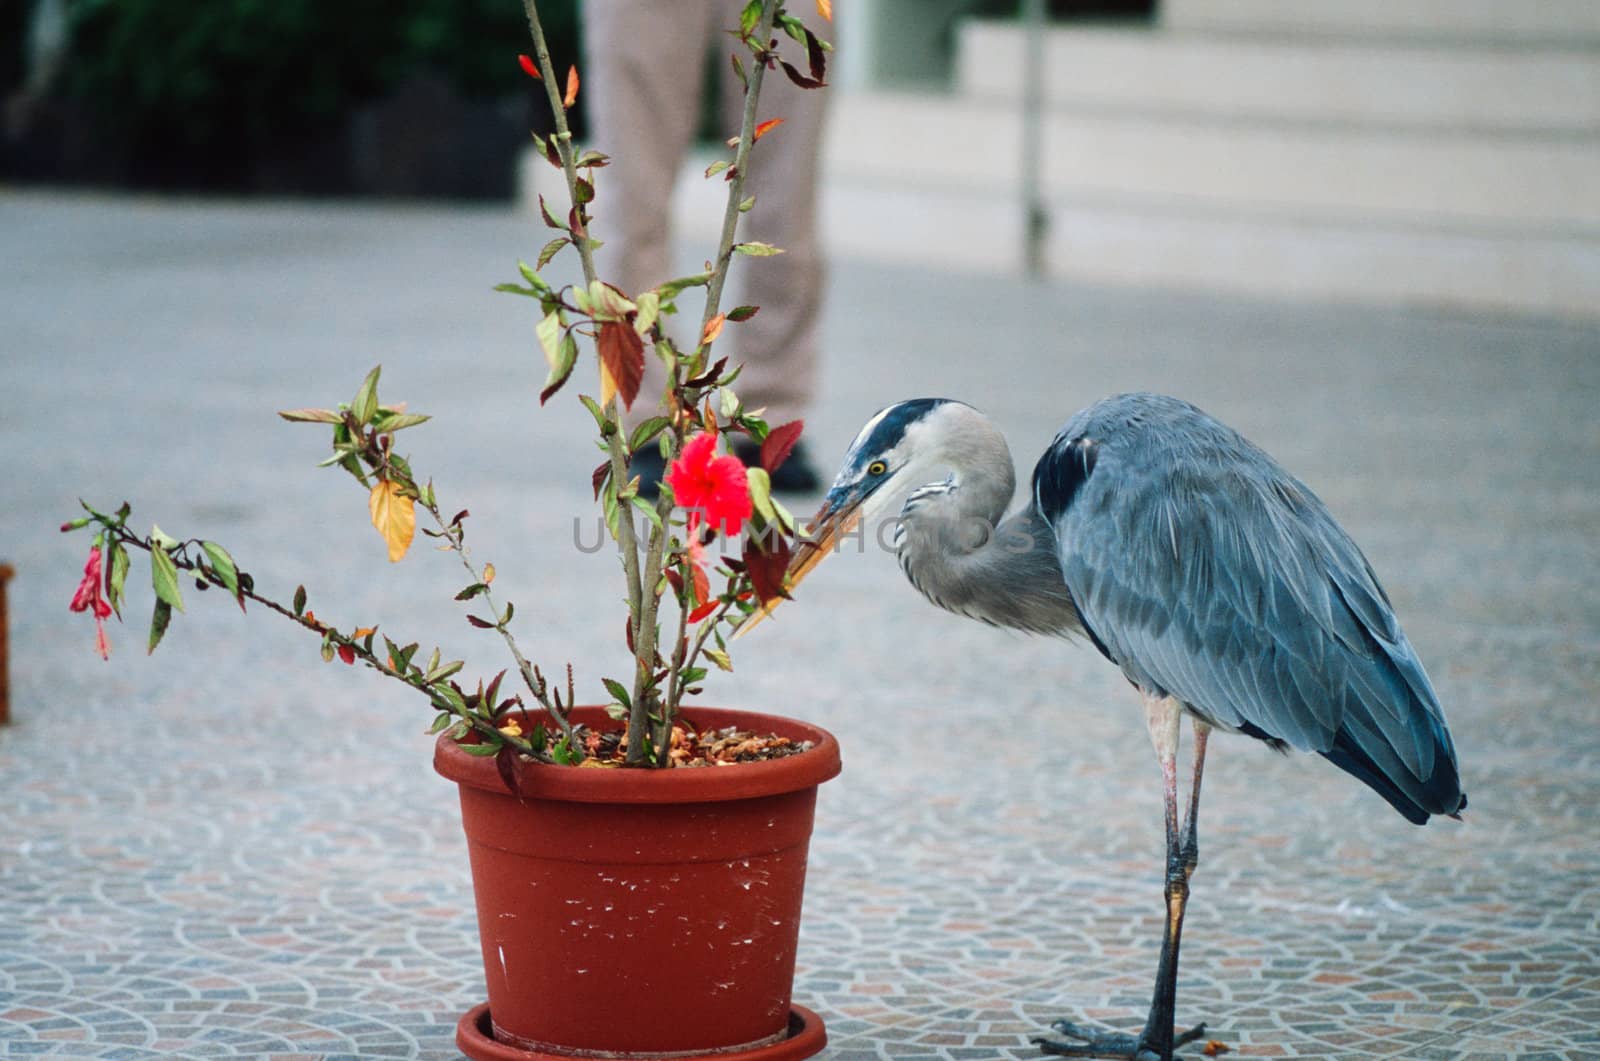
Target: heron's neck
{"points": [[959, 549]]}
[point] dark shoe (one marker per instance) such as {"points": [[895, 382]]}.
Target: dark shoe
{"points": [[649, 467], [797, 475]]}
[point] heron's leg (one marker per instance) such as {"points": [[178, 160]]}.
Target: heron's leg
{"points": [[1157, 1041], [1191, 818]]}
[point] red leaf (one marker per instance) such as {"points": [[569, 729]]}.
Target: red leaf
{"points": [[506, 761], [797, 77], [622, 353], [767, 126], [599, 477], [481, 624], [347, 653], [676, 580], [779, 443], [702, 584], [704, 610], [572, 87], [529, 67], [766, 569]]}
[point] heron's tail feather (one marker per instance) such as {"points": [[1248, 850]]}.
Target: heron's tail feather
{"points": [[1364, 754]]}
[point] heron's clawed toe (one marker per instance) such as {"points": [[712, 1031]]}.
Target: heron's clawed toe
{"points": [[1093, 1042]]}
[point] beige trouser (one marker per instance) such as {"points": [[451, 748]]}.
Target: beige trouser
{"points": [[642, 78]]}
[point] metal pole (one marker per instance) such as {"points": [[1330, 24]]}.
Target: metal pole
{"points": [[6, 571], [1035, 219]]}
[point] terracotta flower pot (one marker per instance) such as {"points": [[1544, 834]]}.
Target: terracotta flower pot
{"points": [[642, 913]]}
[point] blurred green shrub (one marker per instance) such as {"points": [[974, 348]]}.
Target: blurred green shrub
{"points": [[234, 78]]}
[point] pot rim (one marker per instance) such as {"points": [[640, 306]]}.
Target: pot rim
{"points": [[697, 785]]}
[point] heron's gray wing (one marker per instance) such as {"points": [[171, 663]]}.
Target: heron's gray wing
{"points": [[1208, 573]]}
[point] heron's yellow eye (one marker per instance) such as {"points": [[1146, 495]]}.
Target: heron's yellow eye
{"points": [[877, 468]]}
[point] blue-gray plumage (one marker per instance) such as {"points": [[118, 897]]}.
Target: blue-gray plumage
{"points": [[1208, 573], [1216, 581]]}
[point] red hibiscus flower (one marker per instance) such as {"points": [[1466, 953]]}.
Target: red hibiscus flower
{"points": [[90, 596], [714, 489]]}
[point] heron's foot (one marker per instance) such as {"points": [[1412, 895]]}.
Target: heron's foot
{"points": [[1093, 1042]]}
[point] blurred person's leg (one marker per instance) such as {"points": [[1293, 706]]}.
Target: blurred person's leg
{"points": [[780, 345], [643, 77]]}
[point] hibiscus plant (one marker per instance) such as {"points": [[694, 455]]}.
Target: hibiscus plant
{"points": [[682, 600]]}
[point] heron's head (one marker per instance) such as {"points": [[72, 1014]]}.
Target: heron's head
{"points": [[900, 448]]}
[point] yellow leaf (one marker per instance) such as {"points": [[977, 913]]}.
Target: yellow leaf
{"points": [[488, 574], [713, 328], [608, 387], [825, 9], [394, 515]]}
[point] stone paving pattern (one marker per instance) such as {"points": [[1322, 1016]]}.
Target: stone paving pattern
{"points": [[231, 849]]}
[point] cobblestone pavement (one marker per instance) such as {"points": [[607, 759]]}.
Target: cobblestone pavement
{"points": [[231, 849]]}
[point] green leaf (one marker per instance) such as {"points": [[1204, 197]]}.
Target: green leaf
{"points": [[648, 508], [743, 313], [594, 411], [720, 658], [672, 288], [549, 331], [299, 601], [729, 402], [617, 711], [648, 430], [757, 249], [119, 574], [472, 591], [749, 17], [399, 421], [761, 492], [439, 673], [485, 749], [158, 623], [440, 722], [451, 698], [224, 566], [716, 167], [692, 674], [551, 249], [513, 289], [162, 539], [533, 278], [365, 403], [164, 577], [567, 358], [618, 693], [311, 416], [746, 205], [649, 305]]}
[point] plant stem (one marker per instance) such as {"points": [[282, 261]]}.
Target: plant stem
{"points": [[482, 725], [640, 589], [646, 635], [453, 534], [741, 158]]}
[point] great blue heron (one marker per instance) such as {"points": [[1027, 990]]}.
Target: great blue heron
{"points": [[1216, 581]]}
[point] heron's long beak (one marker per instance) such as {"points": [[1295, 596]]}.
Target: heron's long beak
{"points": [[838, 516]]}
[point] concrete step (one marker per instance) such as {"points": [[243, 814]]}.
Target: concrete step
{"points": [[1534, 89], [1500, 21], [910, 222], [1469, 181]]}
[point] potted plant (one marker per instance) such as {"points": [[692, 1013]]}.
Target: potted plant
{"points": [[637, 863]]}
